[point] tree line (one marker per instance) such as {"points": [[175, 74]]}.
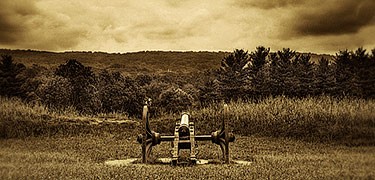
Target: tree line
{"points": [[254, 75], [243, 75]]}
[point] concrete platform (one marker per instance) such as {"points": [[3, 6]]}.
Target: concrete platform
{"points": [[136, 161]]}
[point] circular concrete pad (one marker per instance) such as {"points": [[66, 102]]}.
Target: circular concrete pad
{"points": [[202, 161], [131, 161], [168, 161], [242, 162], [123, 162]]}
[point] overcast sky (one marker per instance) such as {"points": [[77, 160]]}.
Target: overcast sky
{"points": [[321, 26]]}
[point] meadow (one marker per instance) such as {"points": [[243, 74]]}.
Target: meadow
{"points": [[83, 157], [323, 119], [283, 138]]}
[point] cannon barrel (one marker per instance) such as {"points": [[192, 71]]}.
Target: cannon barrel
{"points": [[183, 128], [184, 120]]}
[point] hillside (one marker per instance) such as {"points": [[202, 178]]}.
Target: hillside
{"points": [[132, 63]]}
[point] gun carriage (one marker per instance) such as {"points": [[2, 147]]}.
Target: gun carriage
{"points": [[184, 137]]}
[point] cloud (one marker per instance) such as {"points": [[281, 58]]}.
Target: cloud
{"points": [[12, 15], [334, 17], [25, 24], [316, 17], [268, 4], [135, 25]]}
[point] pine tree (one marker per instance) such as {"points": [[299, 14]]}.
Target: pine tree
{"points": [[258, 58], [324, 80], [233, 75], [369, 86], [258, 72], [343, 73], [10, 79], [282, 81], [363, 73], [302, 76]]}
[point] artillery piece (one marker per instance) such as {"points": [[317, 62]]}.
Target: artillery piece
{"points": [[184, 138]]}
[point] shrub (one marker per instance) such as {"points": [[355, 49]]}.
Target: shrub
{"points": [[34, 76], [84, 96], [175, 100], [120, 94], [56, 93]]}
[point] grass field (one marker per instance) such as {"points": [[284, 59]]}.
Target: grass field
{"points": [[313, 138], [324, 119], [272, 158]]}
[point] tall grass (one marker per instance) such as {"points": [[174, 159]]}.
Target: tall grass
{"points": [[18, 119], [318, 119]]}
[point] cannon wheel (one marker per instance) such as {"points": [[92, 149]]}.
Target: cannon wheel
{"points": [[147, 136], [226, 133], [222, 137]]}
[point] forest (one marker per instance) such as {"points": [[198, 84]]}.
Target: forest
{"points": [[238, 76]]}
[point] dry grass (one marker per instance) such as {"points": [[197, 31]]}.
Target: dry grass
{"points": [[20, 120], [321, 119], [324, 119], [67, 145], [272, 158]]}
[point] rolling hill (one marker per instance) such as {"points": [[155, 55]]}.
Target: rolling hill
{"points": [[130, 63]]}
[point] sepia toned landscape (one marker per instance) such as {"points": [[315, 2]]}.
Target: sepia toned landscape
{"points": [[75, 78], [285, 132]]}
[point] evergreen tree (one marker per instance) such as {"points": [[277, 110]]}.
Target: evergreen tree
{"points": [[258, 58], [343, 73], [363, 73], [282, 80], [369, 85], [233, 75], [324, 80], [235, 62], [10, 79], [209, 92], [303, 76], [258, 72]]}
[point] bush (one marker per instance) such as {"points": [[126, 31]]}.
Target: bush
{"points": [[120, 94], [84, 96], [175, 100], [34, 76], [56, 93]]}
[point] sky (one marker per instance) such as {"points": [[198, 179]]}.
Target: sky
{"points": [[319, 26]]}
